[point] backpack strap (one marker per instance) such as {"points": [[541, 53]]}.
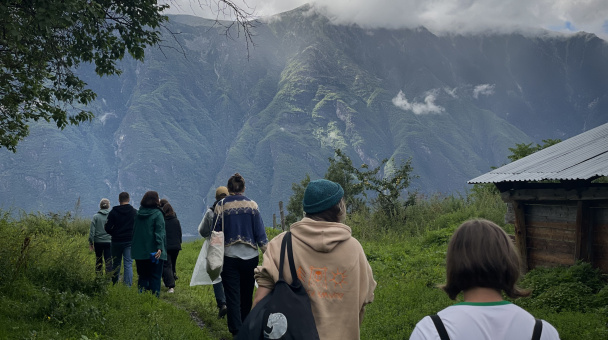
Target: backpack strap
{"points": [[286, 245], [538, 329], [295, 281], [282, 256], [443, 334]]}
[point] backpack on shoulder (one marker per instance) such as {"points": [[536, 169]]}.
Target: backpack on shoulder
{"points": [[284, 313]]}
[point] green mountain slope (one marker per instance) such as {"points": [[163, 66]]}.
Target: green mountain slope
{"points": [[199, 109]]}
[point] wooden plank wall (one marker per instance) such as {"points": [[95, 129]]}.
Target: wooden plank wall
{"points": [[599, 218], [551, 233]]}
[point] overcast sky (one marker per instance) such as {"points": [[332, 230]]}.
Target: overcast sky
{"points": [[460, 16]]}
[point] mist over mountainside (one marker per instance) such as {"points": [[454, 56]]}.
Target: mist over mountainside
{"points": [[198, 110]]}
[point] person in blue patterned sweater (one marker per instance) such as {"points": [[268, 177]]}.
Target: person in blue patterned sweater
{"points": [[244, 234]]}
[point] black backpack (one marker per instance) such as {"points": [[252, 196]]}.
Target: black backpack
{"points": [[284, 313]]}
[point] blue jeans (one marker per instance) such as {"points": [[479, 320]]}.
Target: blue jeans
{"points": [[122, 251], [238, 282], [149, 275]]}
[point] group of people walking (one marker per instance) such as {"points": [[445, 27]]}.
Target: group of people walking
{"points": [[151, 236], [482, 264]]}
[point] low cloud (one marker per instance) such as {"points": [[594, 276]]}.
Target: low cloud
{"points": [[439, 16], [484, 90], [427, 107]]}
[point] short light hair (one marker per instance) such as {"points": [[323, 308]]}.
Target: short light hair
{"points": [[481, 254], [104, 203]]}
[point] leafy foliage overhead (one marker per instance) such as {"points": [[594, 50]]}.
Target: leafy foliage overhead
{"points": [[42, 42]]}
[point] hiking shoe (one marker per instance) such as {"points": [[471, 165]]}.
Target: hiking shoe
{"points": [[222, 312], [171, 290]]}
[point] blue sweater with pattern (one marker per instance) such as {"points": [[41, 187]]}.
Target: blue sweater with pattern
{"points": [[242, 221]]}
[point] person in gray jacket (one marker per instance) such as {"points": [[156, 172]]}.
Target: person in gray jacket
{"points": [[204, 228], [99, 240]]}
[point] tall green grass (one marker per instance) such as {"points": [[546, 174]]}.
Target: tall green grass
{"points": [[49, 289]]}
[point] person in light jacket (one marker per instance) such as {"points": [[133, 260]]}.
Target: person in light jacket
{"points": [[331, 264], [148, 248], [99, 240], [204, 229]]}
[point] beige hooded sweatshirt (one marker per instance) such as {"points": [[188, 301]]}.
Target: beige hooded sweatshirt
{"points": [[332, 266]]}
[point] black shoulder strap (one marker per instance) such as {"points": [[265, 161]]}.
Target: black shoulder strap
{"points": [[538, 329], [292, 265], [282, 256], [443, 334], [286, 245]]}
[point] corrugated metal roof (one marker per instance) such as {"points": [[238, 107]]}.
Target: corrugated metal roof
{"points": [[581, 157]]}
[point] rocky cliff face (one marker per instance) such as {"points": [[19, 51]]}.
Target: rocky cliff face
{"points": [[197, 111]]}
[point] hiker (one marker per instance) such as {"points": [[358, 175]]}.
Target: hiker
{"points": [[120, 227], [99, 240], [148, 247], [330, 263], [163, 201], [244, 232], [482, 263], [173, 229], [204, 228]]}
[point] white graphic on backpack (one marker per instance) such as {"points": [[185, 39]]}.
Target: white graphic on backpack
{"points": [[277, 325]]}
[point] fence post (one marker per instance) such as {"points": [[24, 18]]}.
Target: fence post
{"points": [[274, 221], [282, 215]]}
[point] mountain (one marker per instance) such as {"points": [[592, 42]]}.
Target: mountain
{"points": [[204, 106]]}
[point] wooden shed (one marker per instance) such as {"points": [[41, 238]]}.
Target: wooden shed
{"points": [[559, 211]]}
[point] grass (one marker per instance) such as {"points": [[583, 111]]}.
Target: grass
{"points": [[48, 289]]}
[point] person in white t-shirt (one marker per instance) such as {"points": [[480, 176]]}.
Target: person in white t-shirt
{"points": [[482, 262]]}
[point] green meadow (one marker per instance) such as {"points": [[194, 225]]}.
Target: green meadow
{"points": [[48, 288]]}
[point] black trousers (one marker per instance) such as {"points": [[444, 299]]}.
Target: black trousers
{"points": [[238, 281], [169, 268], [149, 275], [102, 254]]}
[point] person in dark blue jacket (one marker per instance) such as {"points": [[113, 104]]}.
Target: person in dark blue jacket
{"points": [[244, 233], [120, 227]]}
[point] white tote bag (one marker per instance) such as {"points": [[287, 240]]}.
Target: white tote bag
{"points": [[200, 276], [215, 253]]}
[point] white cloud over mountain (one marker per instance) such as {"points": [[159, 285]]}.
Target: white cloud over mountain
{"points": [[418, 108], [442, 16]]}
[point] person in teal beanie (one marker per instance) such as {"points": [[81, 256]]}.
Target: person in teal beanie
{"points": [[148, 249], [99, 240]]}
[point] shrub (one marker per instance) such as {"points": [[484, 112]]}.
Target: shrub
{"points": [[564, 297], [576, 288], [541, 279], [72, 308]]}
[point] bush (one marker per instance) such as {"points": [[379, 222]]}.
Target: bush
{"points": [[576, 288], [65, 309], [541, 279], [564, 297]]}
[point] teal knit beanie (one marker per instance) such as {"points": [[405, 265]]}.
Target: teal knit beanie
{"points": [[321, 195]]}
